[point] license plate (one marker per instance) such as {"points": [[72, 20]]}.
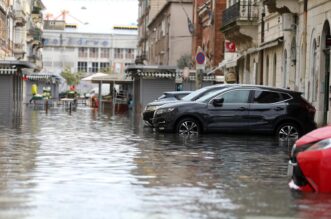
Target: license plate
{"points": [[290, 169]]}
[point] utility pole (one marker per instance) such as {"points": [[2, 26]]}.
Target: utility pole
{"points": [[200, 60]]}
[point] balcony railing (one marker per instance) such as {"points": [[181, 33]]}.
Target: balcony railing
{"points": [[240, 11]]}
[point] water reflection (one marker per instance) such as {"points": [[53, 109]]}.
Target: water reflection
{"points": [[100, 165]]}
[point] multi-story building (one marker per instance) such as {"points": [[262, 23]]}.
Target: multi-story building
{"points": [[169, 36], [20, 48], [307, 33], [207, 20], [66, 48], [146, 11], [282, 43]]}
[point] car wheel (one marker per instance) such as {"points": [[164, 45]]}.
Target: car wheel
{"points": [[288, 132], [188, 126]]}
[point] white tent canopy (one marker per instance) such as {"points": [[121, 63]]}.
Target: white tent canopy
{"points": [[89, 78]]}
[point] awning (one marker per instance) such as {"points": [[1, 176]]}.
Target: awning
{"points": [[228, 63], [7, 71], [152, 71], [43, 77], [270, 44], [16, 63], [111, 79]]}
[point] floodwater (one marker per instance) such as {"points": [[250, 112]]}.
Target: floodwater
{"points": [[91, 165]]}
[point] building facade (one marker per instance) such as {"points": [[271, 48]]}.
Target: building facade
{"points": [[207, 20], [169, 37], [66, 48], [147, 9], [282, 43], [20, 49]]}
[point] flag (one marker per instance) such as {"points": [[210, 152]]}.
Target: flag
{"points": [[230, 46]]}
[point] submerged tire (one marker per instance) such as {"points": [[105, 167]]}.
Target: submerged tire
{"points": [[288, 132], [188, 126]]}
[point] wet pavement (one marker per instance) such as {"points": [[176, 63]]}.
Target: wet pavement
{"points": [[91, 165]]}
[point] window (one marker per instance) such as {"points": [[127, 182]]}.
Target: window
{"points": [[129, 54], [82, 66], [104, 53], [266, 97], [94, 52], [95, 67], [104, 66], [118, 53], [236, 96], [82, 52]]}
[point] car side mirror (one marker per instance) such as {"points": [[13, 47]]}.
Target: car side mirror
{"points": [[218, 102]]}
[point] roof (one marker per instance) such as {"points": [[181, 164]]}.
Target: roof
{"points": [[15, 63], [43, 77], [153, 71], [111, 79]]}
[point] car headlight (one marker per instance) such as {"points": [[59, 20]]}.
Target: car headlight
{"points": [[164, 110], [150, 108]]}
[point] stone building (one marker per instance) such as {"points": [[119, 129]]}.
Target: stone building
{"points": [[20, 49], [308, 50], [169, 36], [147, 9], [283, 43]]}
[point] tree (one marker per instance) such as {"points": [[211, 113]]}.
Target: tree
{"points": [[184, 61], [71, 78]]}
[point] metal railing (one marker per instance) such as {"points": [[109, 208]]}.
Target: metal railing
{"points": [[244, 10]]}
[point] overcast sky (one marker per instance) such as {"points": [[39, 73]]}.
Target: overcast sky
{"points": [[101, 15]]}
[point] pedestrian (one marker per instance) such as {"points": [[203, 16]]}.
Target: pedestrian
{"points": [[34, 91]]}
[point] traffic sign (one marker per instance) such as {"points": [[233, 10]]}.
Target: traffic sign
{"points": [[200, 58]]}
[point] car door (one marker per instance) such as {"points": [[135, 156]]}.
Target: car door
{"points": [[267, 106], [229, 110]]}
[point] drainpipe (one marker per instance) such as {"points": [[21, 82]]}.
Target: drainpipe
{"points": [[305, 9], [262, 51]]}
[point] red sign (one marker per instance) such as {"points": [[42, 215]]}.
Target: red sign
{"points": [[230, 46], [200, 58]]}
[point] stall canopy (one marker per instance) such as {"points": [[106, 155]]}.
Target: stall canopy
{"points": [[89, 78]]}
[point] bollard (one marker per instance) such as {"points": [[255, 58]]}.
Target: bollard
{"points": [[70, 108], [46, 106]]}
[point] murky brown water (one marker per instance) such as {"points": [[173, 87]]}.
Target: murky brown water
{"points": [[87, 165]]}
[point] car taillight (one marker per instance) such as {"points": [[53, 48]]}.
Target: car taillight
{"points": [[311, 109]]}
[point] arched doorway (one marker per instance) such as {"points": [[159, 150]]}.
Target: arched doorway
{"points": [[325, 71]]}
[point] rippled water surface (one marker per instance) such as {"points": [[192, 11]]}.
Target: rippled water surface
{"points": [[90, 165]]}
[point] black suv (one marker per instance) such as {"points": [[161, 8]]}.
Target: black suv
{"points": [[249, 108]]}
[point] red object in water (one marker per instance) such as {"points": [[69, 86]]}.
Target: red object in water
{"points": [[95, 102], [310, 162]]}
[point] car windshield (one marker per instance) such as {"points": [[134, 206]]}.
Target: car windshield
{"points": [[208, 96], [202, 92]]}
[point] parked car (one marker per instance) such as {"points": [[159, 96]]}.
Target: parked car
{"points": [[310, 162], [167, 98], [241, 108]]}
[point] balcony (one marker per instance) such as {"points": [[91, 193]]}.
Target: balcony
{"points": [[240, 21], [37, 60], [20, 18], [282, 6], [18, 49]]}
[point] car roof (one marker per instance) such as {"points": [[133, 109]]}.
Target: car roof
{"points": [[264, 87], [177, 92]]}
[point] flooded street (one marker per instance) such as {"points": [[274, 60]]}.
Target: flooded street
{"points": [[90, 165]]}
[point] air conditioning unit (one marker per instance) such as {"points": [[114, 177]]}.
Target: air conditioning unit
{"points": [[288, 22]]}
